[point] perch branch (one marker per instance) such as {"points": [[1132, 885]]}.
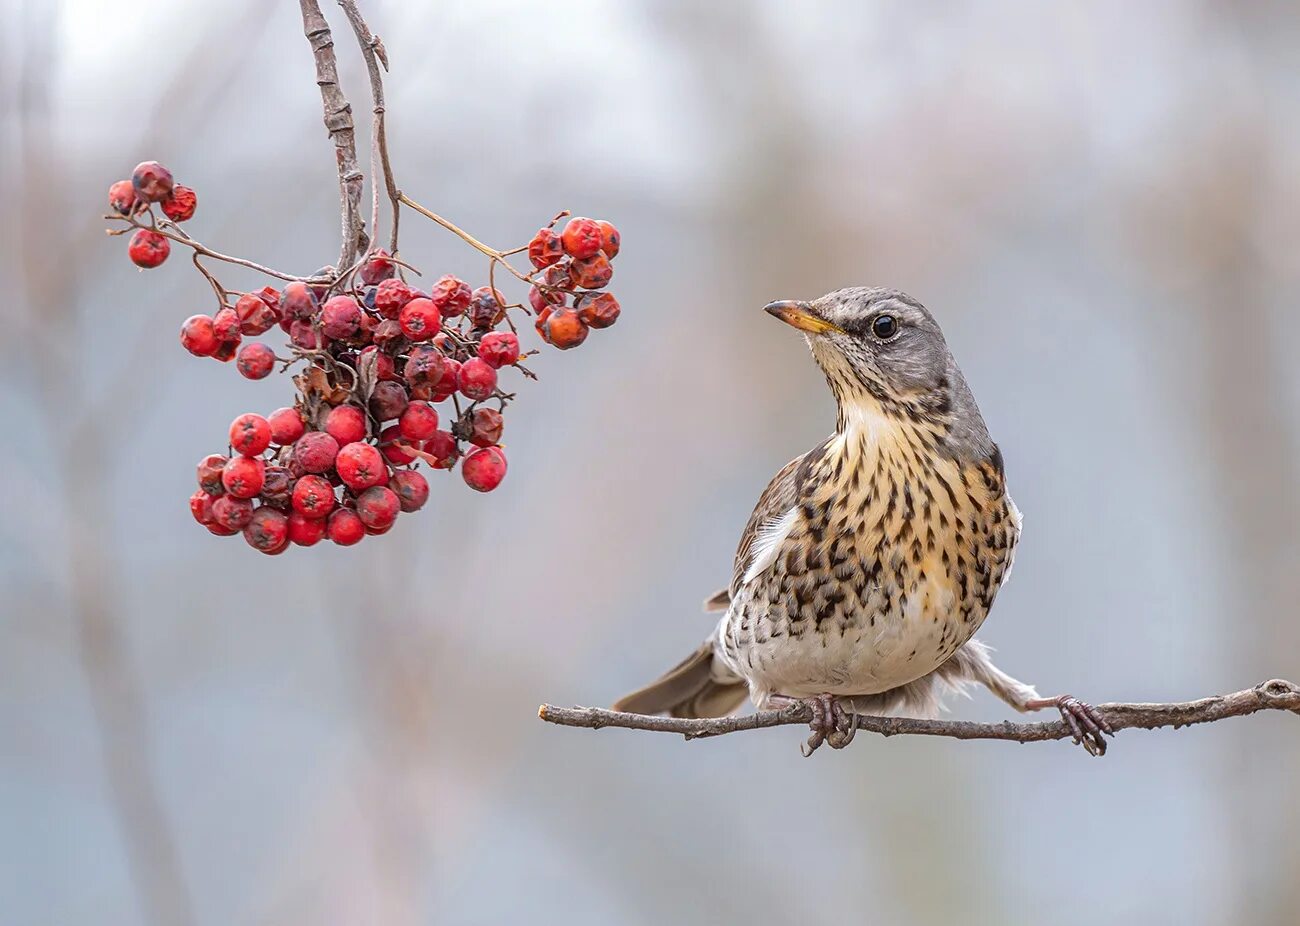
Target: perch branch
{"points": [[1276, 694]]}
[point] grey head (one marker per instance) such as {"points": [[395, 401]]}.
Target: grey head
{"points": [[884, 355]]}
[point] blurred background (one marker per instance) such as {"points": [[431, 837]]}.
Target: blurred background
{"points": [[1100, 203]]}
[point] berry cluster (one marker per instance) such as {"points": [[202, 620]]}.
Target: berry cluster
{"points": [[391, 376]]}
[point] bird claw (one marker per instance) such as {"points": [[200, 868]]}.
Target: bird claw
{"points": [[1087, 724], [830, 724]]}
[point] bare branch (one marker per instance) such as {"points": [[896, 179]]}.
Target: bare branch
{"points": [[1276, 694], [342, 131]]}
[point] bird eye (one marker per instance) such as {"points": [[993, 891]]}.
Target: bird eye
{"points": [[884, 327]]}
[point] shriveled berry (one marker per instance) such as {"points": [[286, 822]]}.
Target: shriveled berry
{"points": [[255, 314], [180, 204], [377, 507], [476, 379], [540, 323], [443, 448], [298, 300], [591, 272], [581, 237], [271, 296], [345, 528], [388, 401], [346, 424], [411, 488], [390, 446], [277, 487], [390, 296], [313, 496], [425, 366], [340, 318], [610, 239], [321, 280], [250, 434], [486, 308], [360, 466], [387, 333], [451, 295], [485, 427], [232, 513], [303, 334], [255, 360], [542, 299], [377, 267], [152, 181], [383, 362], [557, 277], [484, 468], [243, 476], [565, 329], [198, 337], [121, 197], [209, 473], [598, 310], [420, 319], [315, 452], [545, 249], [286, 426], [201, 507], [268, 530], [305, 531], [148, 248], [418, 422], [226, 326], [499, 348], [446, 386]]}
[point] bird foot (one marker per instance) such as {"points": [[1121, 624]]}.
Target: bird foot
{"points": [[831, 723], [1086, 723]]}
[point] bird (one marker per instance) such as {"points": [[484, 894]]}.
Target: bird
{"points": [[870, 561]]}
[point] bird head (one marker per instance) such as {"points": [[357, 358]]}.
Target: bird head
{"points": [[884, 356]]}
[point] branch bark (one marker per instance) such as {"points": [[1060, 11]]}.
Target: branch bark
{"points": [[1276, 694], [342, 131]]}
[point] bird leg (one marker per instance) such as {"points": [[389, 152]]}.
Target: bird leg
{"points": [[1086, 723], [830, 724]]}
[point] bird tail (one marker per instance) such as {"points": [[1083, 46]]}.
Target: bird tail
{"points": [[689, 689]]}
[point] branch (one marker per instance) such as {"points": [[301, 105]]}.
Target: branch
{"points": [[342, 131], [1276, 694]]}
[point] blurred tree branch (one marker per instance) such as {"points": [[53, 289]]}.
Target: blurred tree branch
{"points": [[1276, 694]]}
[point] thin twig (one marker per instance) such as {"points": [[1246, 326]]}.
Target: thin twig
{"points": [[1276, 694], [173, 233], [463, 235]]}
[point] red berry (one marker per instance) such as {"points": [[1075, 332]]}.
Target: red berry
{"points": [[545, 248], [411, 488], [250, 434], [443, 448], [388, 400], [451, 295], [499, 348], [540, 324], [148, 248], [303, 334], [298, 300], [277, 488], [180, 203], [286, 426], [383, 369], [447, 384], [476, 379], [305, 531], [201, 507], [152, 181], [255, 315], [486, 308], [121, 197], [387, 333], [255, 360], [198, 337], [581, 237], [484, 468], [377, 507], [232, 513], [390, 296], [243, 476], [418, 422], [209, 472], [425, 366], [565, 329], [598, 310], [313, 496], [541, 299], [315, 452], [345, 528], [392, 450], [360, 466], [591, 272], [271, 296], [609, 239], [485, 427], [268, 530], [226, 327], [346, 424], [420, 319], [377, 267], [340, 317]]}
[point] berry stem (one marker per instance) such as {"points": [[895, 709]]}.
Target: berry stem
{"points": [[495, 255]]}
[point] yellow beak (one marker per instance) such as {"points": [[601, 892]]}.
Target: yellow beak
{"points": [[800, 315]]}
